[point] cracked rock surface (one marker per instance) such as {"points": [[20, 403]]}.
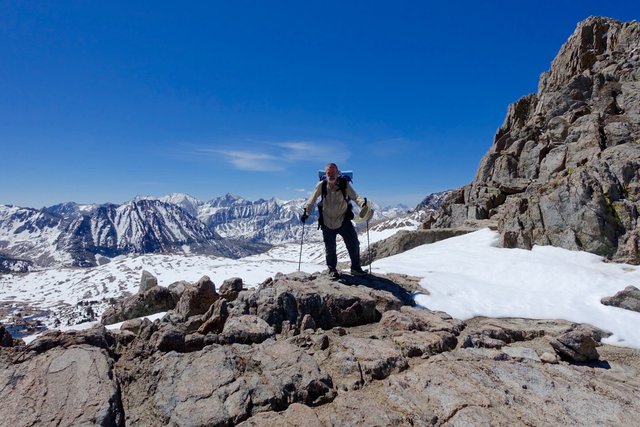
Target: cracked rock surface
{"points": [[564, 167], [304, 350]]}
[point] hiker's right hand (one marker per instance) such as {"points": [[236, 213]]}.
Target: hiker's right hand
{"points": [[304, 217]]}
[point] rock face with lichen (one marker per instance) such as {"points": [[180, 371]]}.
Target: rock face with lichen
{"points": [[564, 167]]}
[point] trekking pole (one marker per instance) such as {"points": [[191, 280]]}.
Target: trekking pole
{"points": [[369, 248], [301, 240]]}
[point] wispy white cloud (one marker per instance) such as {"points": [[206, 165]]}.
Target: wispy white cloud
{"points": [[301, 151], [252, 160], [275, 156], [317, 152]]}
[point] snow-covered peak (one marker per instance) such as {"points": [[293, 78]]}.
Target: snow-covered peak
{"points": [[225, 200], [180, 198], [432, 201], [70, 209], [184, 200]]}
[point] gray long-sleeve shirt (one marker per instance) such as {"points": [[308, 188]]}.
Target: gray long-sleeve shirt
{"points": [[334, 206]]}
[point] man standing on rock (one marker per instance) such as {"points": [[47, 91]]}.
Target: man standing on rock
{"points": [[335, 218]]}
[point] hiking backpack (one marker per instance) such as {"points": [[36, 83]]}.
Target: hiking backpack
{"points": [[343, 180]]}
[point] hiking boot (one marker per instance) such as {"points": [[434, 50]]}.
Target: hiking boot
{"points": [[334, 274], [358, 272]]}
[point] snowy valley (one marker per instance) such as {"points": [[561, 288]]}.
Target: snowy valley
{"points": [[71, 261]]}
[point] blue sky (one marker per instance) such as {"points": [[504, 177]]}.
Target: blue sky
{"points": [[102, 101]]}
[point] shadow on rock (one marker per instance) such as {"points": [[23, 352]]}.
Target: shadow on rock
{"points": [[381, 284]]}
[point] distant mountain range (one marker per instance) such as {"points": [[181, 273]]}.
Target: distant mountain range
{"points": [[272, 221], [71, 234]]}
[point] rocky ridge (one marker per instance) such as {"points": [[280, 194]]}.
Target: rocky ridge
{"points": [[564, 167], [304, 350]]}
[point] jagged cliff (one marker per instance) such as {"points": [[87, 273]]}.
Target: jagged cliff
{"points": [[564, 167]]}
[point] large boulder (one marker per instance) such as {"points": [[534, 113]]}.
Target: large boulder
{"points": [[291, 298], [63, 387], [169, 338], [421, 332], [6, 340], [628, 298], [147, 281], [405, 240], [214, 319], [97, 336], [356, 361], [497, 333], [197, 298], [231, 288], [222, 385], [247, 329], [577, 345], [420, 319], [156, 299]]}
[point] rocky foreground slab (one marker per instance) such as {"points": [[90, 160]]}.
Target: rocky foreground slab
{"points": [[304, 350]]}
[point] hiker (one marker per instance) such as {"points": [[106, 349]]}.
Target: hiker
{"points": [[335, 218]]}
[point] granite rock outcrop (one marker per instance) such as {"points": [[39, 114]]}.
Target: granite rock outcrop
{"points": [[564, 167], [302, 349]]}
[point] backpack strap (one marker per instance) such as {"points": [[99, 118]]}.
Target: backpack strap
{"points": [[342, 185]]}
